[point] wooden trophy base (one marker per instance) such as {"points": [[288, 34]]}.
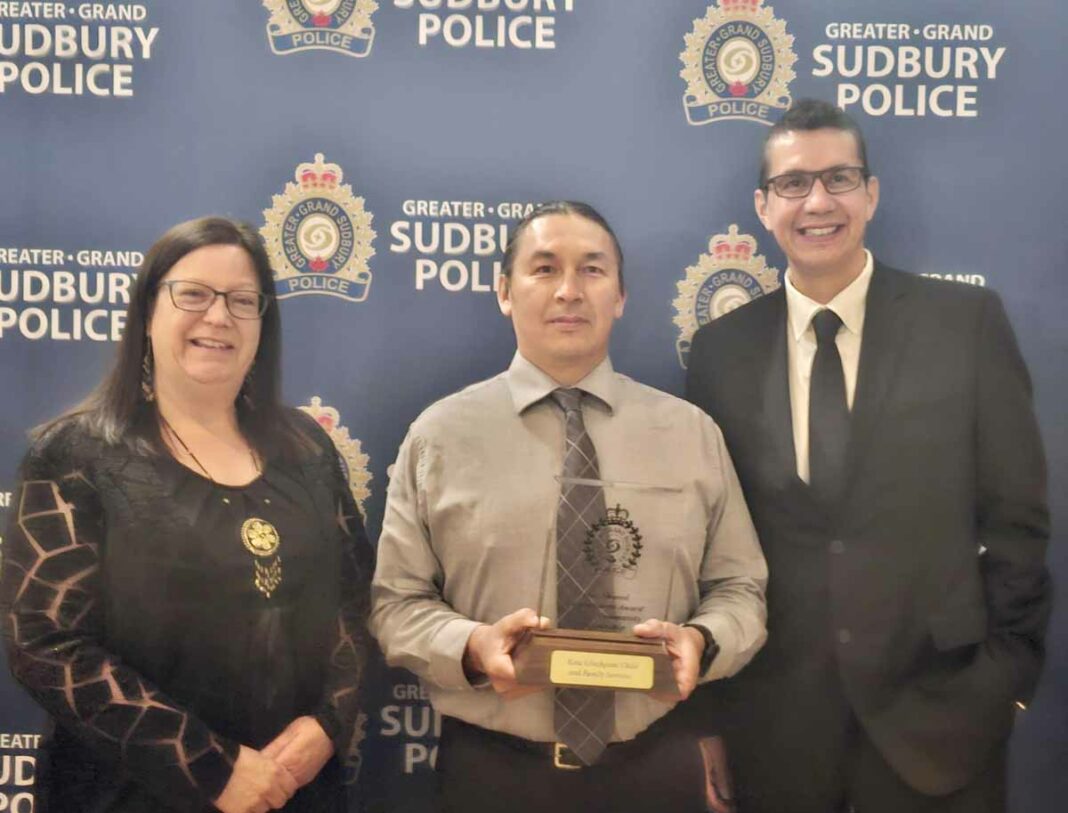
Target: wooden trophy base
{"points": [[591, 659]]}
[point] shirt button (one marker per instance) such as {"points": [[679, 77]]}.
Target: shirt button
{"points": [[837, 546], [844, 636]]}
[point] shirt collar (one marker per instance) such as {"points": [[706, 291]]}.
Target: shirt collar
{"points": [[529, 384], [847, 303]]}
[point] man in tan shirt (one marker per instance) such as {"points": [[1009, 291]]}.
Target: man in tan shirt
{"points": [[473, 500]]}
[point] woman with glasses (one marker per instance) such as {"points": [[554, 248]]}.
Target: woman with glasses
{"points": [[185, 576]]}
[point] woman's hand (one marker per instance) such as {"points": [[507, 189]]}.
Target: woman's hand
{"points": [[301, 749], [258, 784]]}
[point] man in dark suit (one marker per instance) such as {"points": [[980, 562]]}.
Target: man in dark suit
{"points": [[882, 427]]}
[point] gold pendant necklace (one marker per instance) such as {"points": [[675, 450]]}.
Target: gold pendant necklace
{"points": [[262, 540], [259, 536]]}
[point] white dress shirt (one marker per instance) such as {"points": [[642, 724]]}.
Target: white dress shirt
{"points": [[801, 348]]}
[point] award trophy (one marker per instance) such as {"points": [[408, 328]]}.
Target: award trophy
{"points": [[594, 658]]}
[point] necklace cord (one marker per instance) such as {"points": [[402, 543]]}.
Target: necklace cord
{"points": [[259, 536], [194, 458]]}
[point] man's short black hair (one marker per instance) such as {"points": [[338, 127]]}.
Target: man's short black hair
{"points": [[559, 207], [813, 114]]}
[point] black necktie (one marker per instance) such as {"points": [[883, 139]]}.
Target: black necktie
{"points": [[828, 412]]}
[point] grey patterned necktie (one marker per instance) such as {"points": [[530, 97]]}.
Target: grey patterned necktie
{"points": [[583, 718]]}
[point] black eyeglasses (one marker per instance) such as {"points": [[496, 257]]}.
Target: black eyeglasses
{"points": [[195, 296], [836, 180]]}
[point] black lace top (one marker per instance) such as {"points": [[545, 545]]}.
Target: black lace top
{"points": [[132, 613]]}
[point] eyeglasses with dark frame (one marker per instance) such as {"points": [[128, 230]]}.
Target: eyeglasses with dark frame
{"points": [[836, 180], [198, 297]]}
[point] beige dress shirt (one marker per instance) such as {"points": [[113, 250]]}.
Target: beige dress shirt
{"points": [[801, 349], [470, 514]]}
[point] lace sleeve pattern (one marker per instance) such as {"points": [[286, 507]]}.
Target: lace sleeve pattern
{"points": [[49, 601], [340, 708]]}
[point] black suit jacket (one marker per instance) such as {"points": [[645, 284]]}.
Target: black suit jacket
{"points": [[927, 582]]}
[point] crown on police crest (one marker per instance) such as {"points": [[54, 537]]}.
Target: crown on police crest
{"points": [[318, 175], [740, 6], [349, 449], [617, 514], [732, 246]]}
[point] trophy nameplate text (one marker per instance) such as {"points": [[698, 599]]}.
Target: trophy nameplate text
{"points": [[592, 659]]}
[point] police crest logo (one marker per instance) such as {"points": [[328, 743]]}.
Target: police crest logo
{"points": [[356, 462], [319, 236], [342, 26], [725, 278], [738, 64], [614, 543]]}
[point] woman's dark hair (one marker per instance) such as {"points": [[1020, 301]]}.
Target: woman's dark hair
{"points": [[117, 411], [559, 207]]}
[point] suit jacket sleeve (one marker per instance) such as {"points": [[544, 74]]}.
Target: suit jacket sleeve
{"points": [[1012, 514]]}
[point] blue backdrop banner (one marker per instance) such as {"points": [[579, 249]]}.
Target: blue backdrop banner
{"points": [[385, 148]]}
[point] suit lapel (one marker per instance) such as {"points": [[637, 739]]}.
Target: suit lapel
{"points": [[885, 340], [774, 404], [887, 334]]}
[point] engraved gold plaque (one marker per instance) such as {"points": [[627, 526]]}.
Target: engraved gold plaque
{"points": [[595, 660], [607, 671]]}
